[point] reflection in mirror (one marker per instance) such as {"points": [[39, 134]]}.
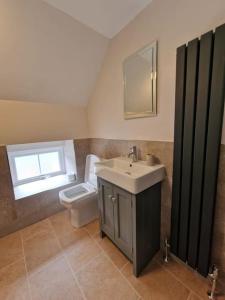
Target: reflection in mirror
{"points": [[139, 72]]}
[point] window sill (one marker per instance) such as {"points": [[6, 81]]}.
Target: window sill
{"points": [[32, 188]]}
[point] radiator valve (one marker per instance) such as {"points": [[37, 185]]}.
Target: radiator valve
{"points": [[166, 246], [214, 276]]}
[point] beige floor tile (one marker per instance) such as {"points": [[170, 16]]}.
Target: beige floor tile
{"points": [[51, 277], [220, 291], [101, 280], [190, 278], [81, 251], [40, 250], [73, 239], [194, 297], [61, 223], [10, 249], [155, 283], [220, 296], [42, 226], [13, 282], [93, 227], [55, 282], [112, 251]]}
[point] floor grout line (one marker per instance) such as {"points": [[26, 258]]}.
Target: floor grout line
{"points": [[124, 266], [68, 264], [131, 286], [107, 256], [92, 237], [94, 257], [88, 263], [75, 278], [179, 280], [11, 264], [189, 296], [192, 293], [25, 263], [36, 233], [31, 274]]}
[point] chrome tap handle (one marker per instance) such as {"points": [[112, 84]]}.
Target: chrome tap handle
{"points": [[133, 153]]}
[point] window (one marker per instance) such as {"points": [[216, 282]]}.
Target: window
{"points": [[39, 167], [36, 164]]}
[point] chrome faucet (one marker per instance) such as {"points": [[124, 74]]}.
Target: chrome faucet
{"points": [[133, 153]]}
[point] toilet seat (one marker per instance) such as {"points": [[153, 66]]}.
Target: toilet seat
{"points": [[77, 194]]}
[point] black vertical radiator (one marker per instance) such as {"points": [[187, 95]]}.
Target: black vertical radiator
{"points": [[199, 106]]}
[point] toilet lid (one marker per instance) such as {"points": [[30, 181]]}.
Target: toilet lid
{"points": [[90, 176]]}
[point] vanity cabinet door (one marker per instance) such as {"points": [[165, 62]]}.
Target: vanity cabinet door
{"points": [[106, 207], [123, 220]]}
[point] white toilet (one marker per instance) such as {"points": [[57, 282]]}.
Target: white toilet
{"points": [[81, 199]]}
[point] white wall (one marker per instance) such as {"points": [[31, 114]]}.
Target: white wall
{"points": [[46, 58], [46, 55], [172, 23], [23, 122]]}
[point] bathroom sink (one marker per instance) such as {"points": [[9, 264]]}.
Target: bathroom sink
{"points": [[134, 177]]}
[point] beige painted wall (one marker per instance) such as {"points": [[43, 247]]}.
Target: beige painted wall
{"points": [[172, 23], [23, 122], [46, 55]]}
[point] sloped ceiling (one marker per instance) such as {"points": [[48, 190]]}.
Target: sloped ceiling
{"points": [[46, 55], [107, 17]]}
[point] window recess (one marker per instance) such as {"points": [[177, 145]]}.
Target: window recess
{"points": [[32, 164]]}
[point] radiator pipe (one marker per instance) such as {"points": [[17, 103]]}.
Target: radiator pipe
{"points": [[166, 246], [214, 275]]}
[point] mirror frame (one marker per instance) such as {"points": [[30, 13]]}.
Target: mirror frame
{"points": [[143, 114]]}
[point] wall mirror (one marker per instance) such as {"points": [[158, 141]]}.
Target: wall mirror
{"points": [[140, 81]]}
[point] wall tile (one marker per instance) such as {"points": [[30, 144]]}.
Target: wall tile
{"points": [[82, 149], [7, 204]]}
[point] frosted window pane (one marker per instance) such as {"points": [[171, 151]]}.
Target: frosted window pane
{"points": [[49, 162], [27, 166]]}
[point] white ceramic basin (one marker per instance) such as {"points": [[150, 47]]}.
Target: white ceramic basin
{"points": [[133, 177]]}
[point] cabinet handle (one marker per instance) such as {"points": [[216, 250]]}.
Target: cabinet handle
{"points": [[113, 199]]}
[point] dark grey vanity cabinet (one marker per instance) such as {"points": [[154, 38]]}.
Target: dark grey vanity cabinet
{"points": [[106, 206], [123, 220], [116, 215], [132, 222]]}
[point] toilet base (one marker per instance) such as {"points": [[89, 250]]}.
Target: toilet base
{"points": [[84, 214]]}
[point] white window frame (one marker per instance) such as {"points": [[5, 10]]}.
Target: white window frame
{"points": [[27, 152]]}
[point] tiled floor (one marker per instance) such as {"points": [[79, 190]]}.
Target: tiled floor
{"points": [[51, 260]]}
